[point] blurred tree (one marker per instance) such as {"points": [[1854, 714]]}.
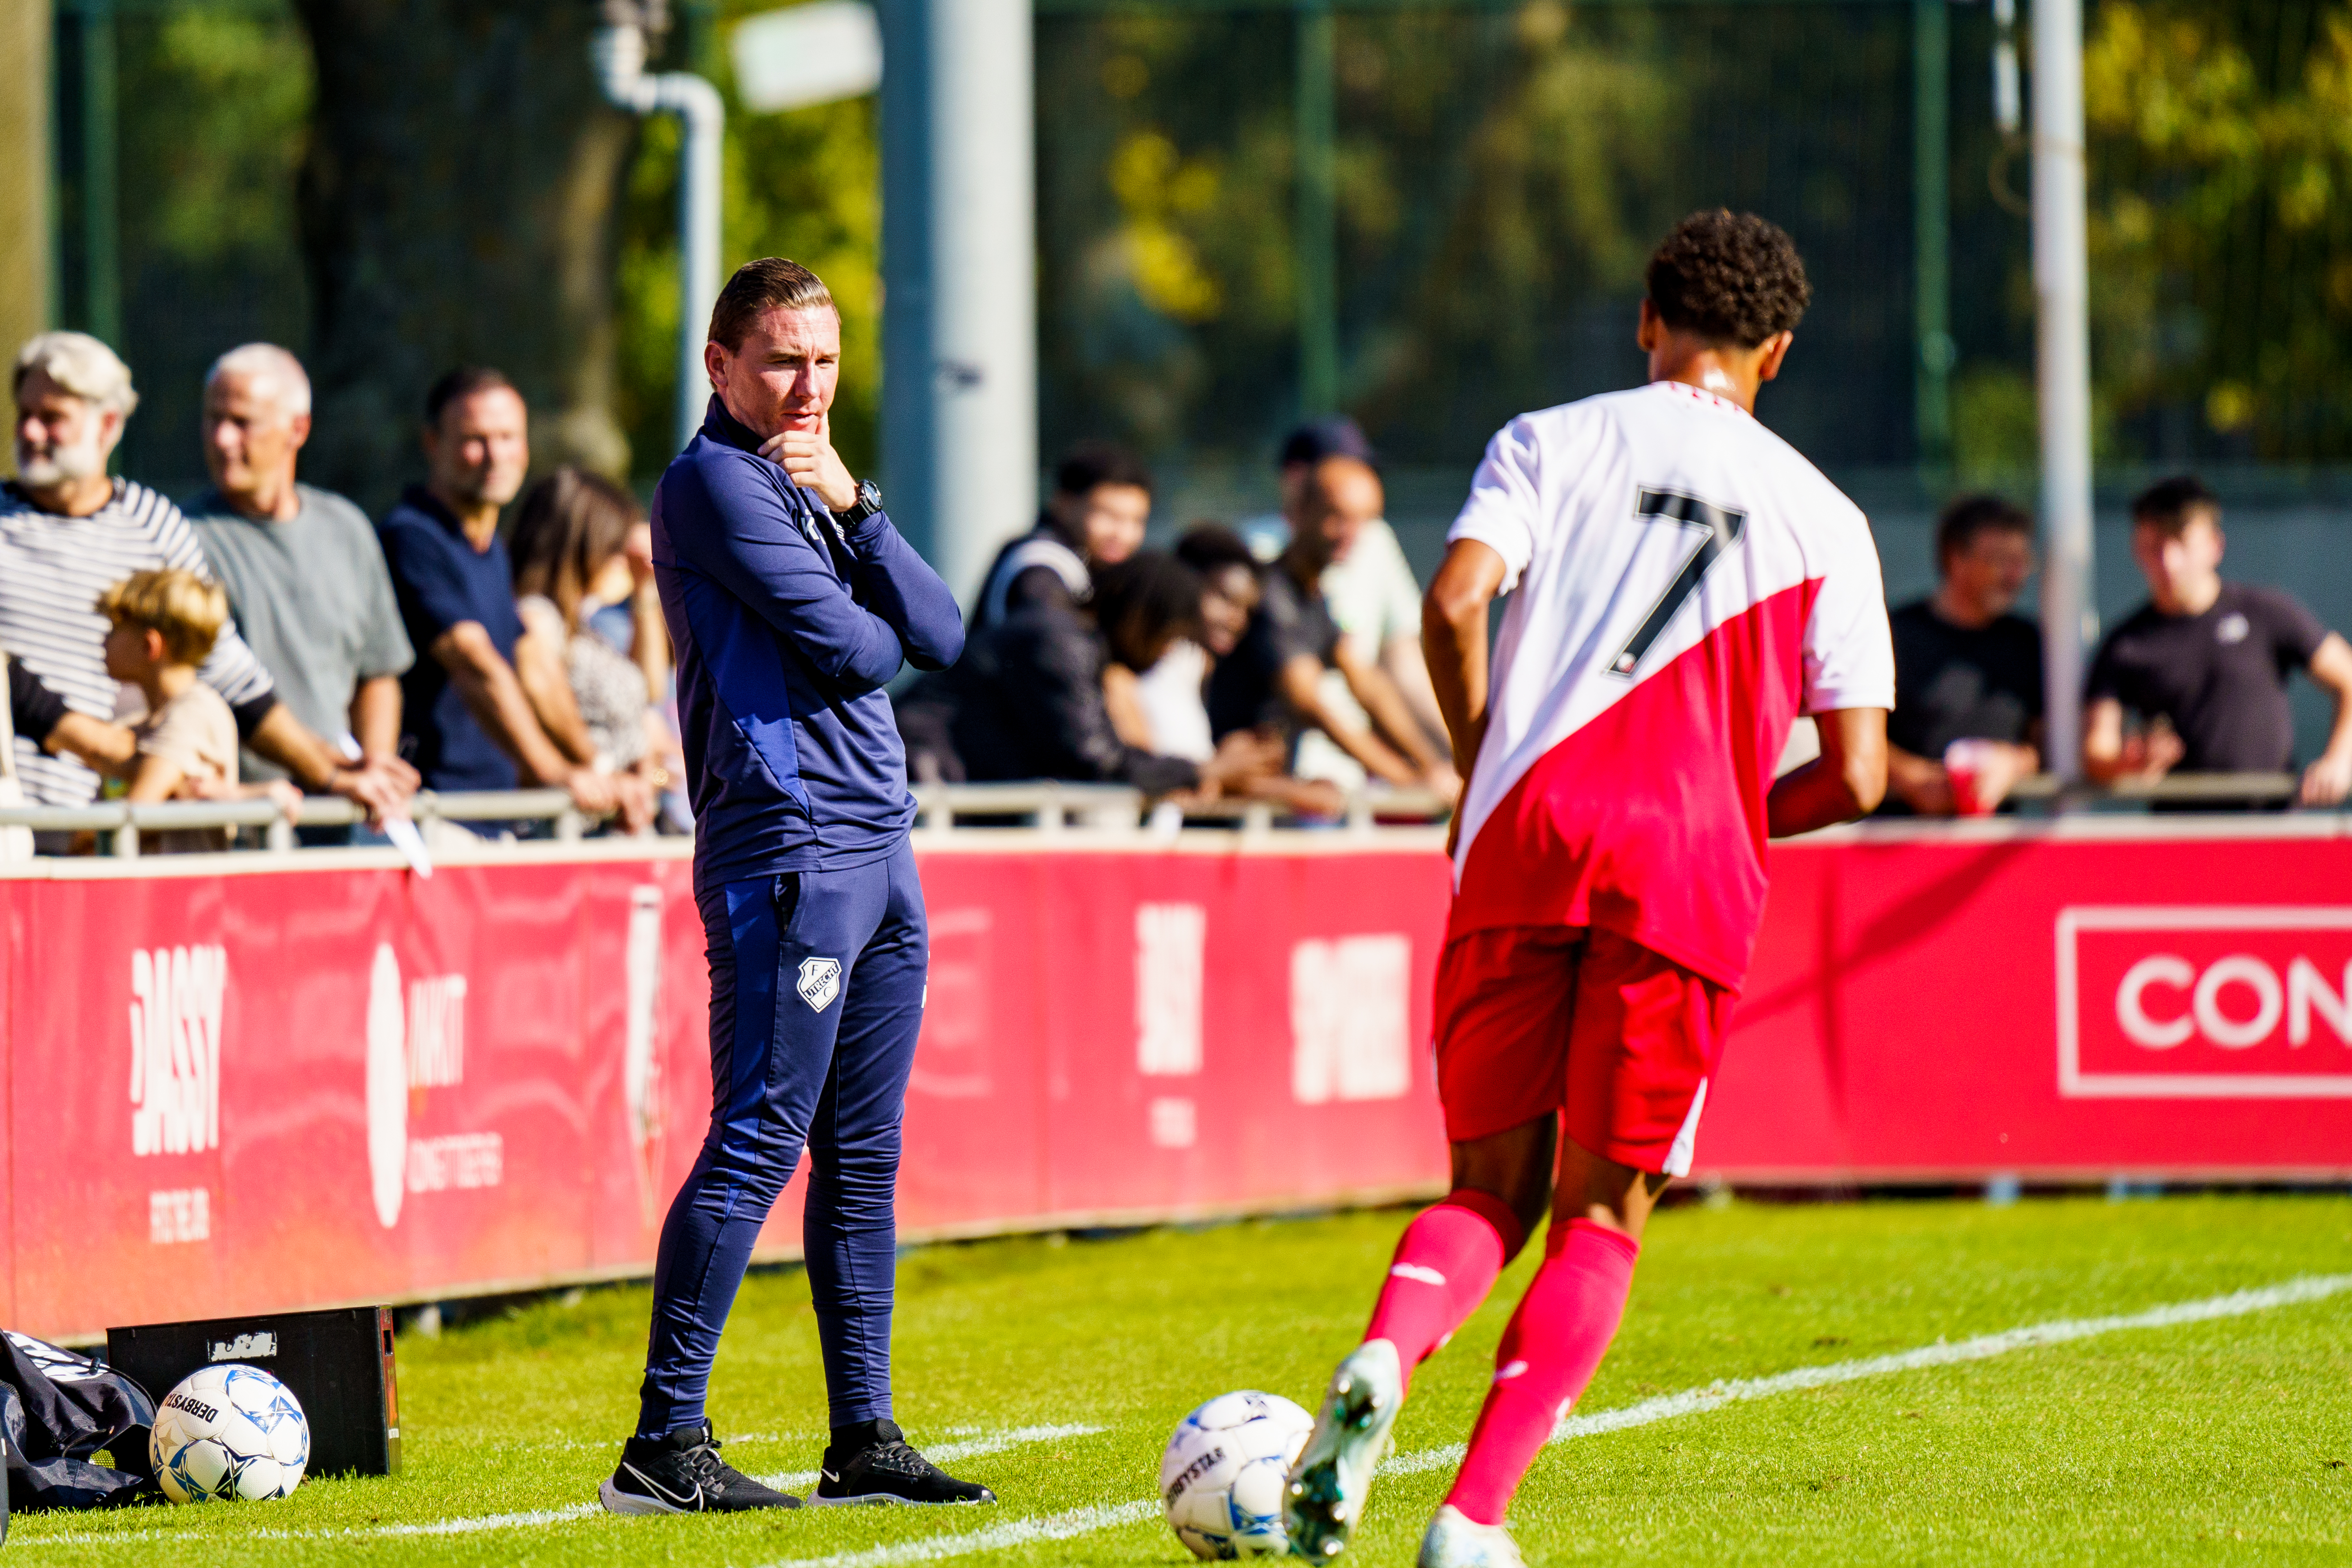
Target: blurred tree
{"points": [[215, 107], [1502, 174], [24, 184], [805, 184], [2222, 238], [458, 206]]}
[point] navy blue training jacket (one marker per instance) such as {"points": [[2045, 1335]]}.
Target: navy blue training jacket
{"points": [[787, 628]]}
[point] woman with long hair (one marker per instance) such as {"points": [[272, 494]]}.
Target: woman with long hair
{"points": [[571, 555]]}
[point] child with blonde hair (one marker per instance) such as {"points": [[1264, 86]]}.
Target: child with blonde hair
{"points": [[162, 624]]}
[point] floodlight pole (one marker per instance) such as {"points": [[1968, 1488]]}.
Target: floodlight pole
{"points": [[958, 279], [2062, 294], [618, 52]]}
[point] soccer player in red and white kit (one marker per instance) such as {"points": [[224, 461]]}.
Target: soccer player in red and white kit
{"points": [[1682, 585]]}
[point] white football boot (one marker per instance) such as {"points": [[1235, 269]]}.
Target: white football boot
{"points": [[1334, 1471], [1455, 1540]]}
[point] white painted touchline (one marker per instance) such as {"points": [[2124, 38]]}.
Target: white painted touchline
{"points": [[948, 1453], [1692, 1401], [1665, 1407], [1062, 1526], [995, 1538]]}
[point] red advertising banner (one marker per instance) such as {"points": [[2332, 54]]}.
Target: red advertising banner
{"points": [[279, 1089], [2049, 1006], [274, 1089]]}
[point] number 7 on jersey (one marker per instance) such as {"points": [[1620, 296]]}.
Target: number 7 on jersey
{"points": [[1718, 529]]}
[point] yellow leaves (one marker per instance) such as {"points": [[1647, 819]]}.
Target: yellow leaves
{"points": [[2167, 83], [2230, 406], [2302, 193], [1156, 185]]}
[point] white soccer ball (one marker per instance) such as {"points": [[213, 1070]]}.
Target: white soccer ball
{"points": [[229, 1431], [1223, 1474]]}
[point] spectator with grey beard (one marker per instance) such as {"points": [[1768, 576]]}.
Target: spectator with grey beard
{"points": [[69, 529]]}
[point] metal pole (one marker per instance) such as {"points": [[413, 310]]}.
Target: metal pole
{"points": [[1931, 229], [101, 218], [959, 277], [618, 54], [1317, 246], [2062, 293], [703, 115]]}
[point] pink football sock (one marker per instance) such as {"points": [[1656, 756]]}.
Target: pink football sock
{"points": [[1446, 1263], [1549, 1353]]}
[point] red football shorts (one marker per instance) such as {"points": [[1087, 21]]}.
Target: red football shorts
{"points": [[1622, 1042]]}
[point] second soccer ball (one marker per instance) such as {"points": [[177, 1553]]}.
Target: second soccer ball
{"points": [[229, 1432]]}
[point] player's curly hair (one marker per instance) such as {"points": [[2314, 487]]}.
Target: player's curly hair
{"points": [[1730, 277]]}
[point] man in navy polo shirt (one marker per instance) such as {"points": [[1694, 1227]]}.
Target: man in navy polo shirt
{"points": [[791, 601], [466, 723]]}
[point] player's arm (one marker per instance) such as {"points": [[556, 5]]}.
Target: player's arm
{"points": [[1846, 780], [1454, 639], [1301, 683], [2329, 779]]}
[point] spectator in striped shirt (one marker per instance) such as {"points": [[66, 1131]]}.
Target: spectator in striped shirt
{"points": [[68, 531]]}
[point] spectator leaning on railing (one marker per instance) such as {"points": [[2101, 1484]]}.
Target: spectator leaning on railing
{"points": [[1274, 679], [305, 578], [68, 531], [2204, 663], [1968, 673], [466, 721], [1372, 595], [571, 551]]}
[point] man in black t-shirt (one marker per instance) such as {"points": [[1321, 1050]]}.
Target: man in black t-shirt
{"points": [[2204, 663], [1273, 680], [1966, 669]]}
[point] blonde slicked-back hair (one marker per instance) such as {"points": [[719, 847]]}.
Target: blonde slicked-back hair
{"points": [[771, 283], [186, 609]]}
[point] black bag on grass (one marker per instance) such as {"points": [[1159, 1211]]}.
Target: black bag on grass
{"points": [[58, 1409]]}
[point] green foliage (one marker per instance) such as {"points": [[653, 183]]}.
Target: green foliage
{"points": [[2200, 1442], [213, 111], [1502, 174], [2220, 156], [804, 184]]}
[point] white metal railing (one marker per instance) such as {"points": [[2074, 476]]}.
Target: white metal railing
{"points": [[1044, 805], [121, 824]]}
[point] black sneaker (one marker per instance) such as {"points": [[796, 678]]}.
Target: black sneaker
{"points": [[877, 1465], [683, 1473]]}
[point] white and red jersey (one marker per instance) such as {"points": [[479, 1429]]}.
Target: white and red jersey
{"points": [[1682, 585]]}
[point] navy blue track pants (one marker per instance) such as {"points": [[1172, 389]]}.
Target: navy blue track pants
{"points": [[816, 996]]}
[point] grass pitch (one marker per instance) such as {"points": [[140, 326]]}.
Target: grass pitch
{"points": [[1056, 1370]]}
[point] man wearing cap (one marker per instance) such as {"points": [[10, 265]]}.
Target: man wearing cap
{"points": [[1371, 593], [1295, 671]]}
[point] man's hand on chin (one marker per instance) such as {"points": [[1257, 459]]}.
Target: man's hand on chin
{"points": [[809, 457]]}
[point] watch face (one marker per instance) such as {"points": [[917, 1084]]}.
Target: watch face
{"points": [[869, 494]]}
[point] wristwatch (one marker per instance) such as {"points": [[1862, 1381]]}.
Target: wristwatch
{"points": [[869, 501]]}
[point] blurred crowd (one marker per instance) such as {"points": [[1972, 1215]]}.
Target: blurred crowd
{"points": [[1280, 662], [264, 638], [2194, 681]]}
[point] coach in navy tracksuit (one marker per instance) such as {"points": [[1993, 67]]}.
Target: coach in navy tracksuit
{"points": [[791, 600]]}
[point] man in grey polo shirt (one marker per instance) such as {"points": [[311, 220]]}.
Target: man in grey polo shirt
{"points": [[305, 580]]}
